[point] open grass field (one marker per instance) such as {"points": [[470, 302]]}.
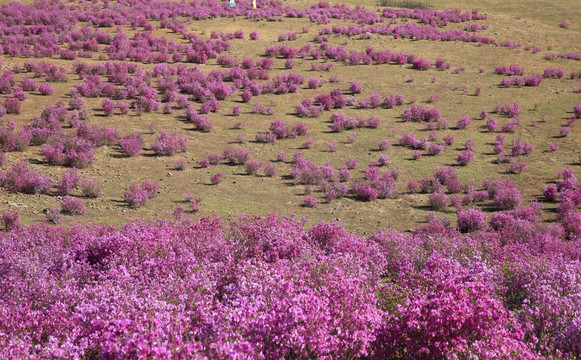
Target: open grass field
{"points": [[454, 91]]}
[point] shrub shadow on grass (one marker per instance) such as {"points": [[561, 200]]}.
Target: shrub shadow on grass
{"points": [[37, 161], [150, 155], [121, 203], [424, 207]]}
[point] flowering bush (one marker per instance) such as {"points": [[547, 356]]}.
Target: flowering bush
{"points": [[554, 72], [20, 178], [169, 144], [465, 157], [252, 166], [311, 202], [420, 113], [70, 151], [216, 178], [45, 89], [463, 122], [505, 194], [364, 191], [270, 170], [132, 144], [517, 168], [441, 64], [90, 188], [10, 220], [577, 110], [306, 172], [513, 69], [421, 64], [355, 87], [12, 105], [108, 106], [53, 215], [139, 194], [181, 164], [436, 149], [73, 206], [438, 200], [71, 180], [492, 124], [471, 220], [508, 109]]}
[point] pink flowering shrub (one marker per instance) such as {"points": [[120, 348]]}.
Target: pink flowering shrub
{"points": [[521, 147], [132, 144], [438, 201], [139, 194], [12, 105], [355, 87], [508, 109], [90, 188], [469, 145], [252, 166], [364, 191], [28, 84], [216, 178], [306, 172], [10, 220], [465, 157], [420, 113], [77, 151], [19, 178], [45, 89], [169, 144], [505, 194], [517, 167], [181, 164], [463, 122], [553, 72], [73, 206], [436, 149], [70, 180], [577, 110], [311, 202], [421, 64], [471, 220], [513, 69], [393, 100], [108, 106], [449, 140], [442, 64], [270, 170], [492, 124]]}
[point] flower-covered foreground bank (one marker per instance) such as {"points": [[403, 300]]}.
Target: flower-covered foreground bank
{"points": [[276, 287]]}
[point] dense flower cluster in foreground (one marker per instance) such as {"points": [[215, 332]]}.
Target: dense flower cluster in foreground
{"points": [[272, 288]]}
